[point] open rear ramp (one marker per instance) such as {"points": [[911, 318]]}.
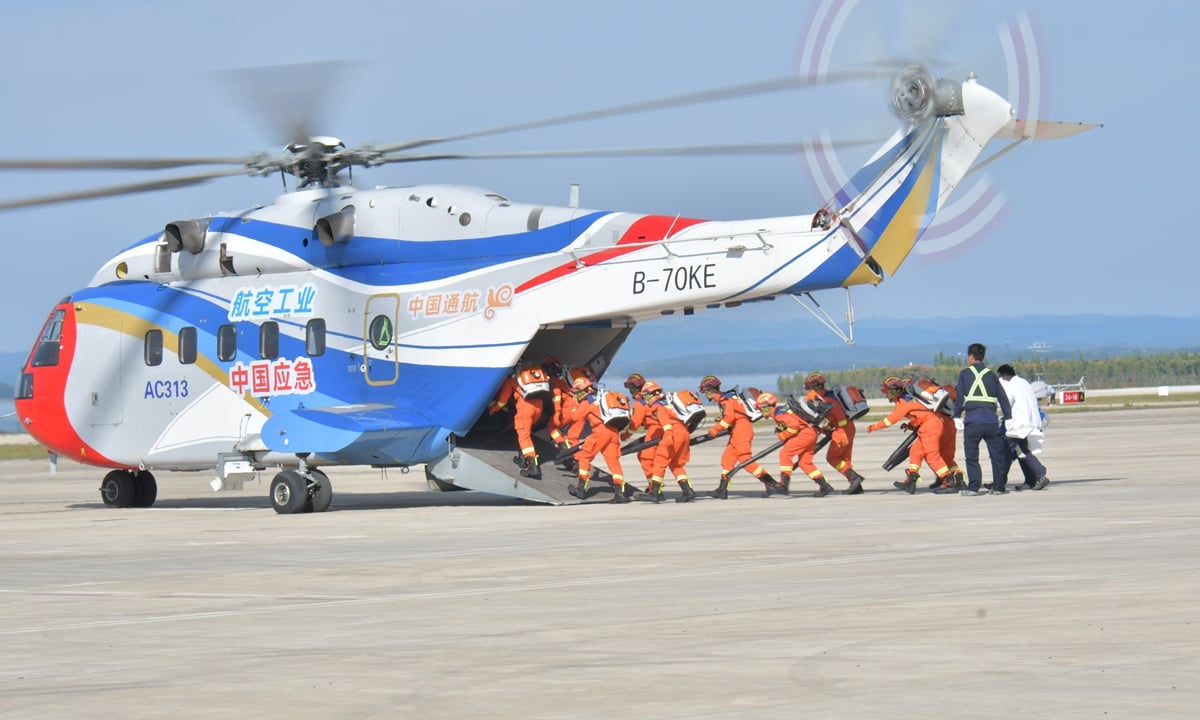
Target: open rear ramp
{"points": [[478, 464]]}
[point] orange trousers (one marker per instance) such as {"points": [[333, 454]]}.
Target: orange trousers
{"points": [[799, 450], [931, 447], [603, 441]]}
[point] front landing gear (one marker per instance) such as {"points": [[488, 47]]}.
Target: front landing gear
{"points": [[125, 488], [292, 492]]}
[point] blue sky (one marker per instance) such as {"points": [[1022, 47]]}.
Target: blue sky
{"points": [[1088, 224]]}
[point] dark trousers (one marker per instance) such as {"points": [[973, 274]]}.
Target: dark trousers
{"points": [[1031, 468], [991, 434]]}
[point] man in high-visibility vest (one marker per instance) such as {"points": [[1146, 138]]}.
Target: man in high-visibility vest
{"points": [[980, 397]]}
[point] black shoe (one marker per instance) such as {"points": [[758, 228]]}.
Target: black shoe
{"points": [[1001, 491], [619, 497], [855, 487], [945, 490], [722, 491], [688, 494], [577, 491], [987, 486], [1041, 483]]}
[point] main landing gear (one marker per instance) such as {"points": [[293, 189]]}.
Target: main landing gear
{"points": [[293, 492], [128, 488]]}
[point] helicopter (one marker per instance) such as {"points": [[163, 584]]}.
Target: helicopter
{"points": [[347, 326]]}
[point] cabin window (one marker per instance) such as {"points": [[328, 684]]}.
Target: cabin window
{"points": [[46, 352], [314, 337], [268, 340], [187, 345], [226, 343], [153, 347]]}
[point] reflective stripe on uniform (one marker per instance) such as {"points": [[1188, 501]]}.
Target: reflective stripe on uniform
{"points": [[982, 395]]}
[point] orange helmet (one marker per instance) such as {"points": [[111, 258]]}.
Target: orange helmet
{"points": [[813, 380], [581, 385], [891, 384], [651, 387], [767, 400], [635, 383], [710, 383]]}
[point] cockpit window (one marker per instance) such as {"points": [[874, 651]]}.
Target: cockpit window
{"points": [[47, 350]]}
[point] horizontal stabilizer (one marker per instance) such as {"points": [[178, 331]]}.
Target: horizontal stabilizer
{"points": [[1043, 129]]}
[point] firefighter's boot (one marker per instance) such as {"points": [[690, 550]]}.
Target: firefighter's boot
{"points": [[655, 493], [823, 487], [856, 482], [959, 481], [619, 497], [909, 485], [783, 487], [768, 484], [532, 468], [579, 489], [722, 491], [688, 495]]}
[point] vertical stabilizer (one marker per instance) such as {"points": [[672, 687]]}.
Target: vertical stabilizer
{"points": [[894, 197], [984, 115]]}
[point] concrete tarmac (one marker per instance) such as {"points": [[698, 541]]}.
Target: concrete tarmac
{"points": [[1080, 601]]}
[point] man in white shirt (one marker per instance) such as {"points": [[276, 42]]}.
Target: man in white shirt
{"points": [[1023, 432]]}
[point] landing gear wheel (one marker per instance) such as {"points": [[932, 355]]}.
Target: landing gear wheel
{"points": [[289, 492], [118, 489], [147, 489], [322, 493]]}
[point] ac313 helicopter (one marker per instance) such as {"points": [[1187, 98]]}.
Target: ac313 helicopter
{"points": [[347, 326]]}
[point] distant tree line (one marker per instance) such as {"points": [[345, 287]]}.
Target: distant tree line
{"points": [[1173, 368]]}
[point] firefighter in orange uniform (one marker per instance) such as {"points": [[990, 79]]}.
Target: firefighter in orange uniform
{"points": [[927, 423], [527, 410], [948, 447], [741, 434], [799, 439], [575, 428], [603, 440], [673, 452], [841, 433], [642, 417], [560, 390]]}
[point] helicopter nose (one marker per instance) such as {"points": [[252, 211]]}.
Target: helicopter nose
{"points": [[41, 398]]}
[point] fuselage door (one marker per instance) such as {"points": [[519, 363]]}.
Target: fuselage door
{"points": [[381, 364]]}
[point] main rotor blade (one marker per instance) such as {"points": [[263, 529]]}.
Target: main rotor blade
{"points": [[113, 190], [693, 150], [725, 93], [117, 163]]}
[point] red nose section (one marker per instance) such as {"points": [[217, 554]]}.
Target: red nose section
{"points": [[42, 403]]}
